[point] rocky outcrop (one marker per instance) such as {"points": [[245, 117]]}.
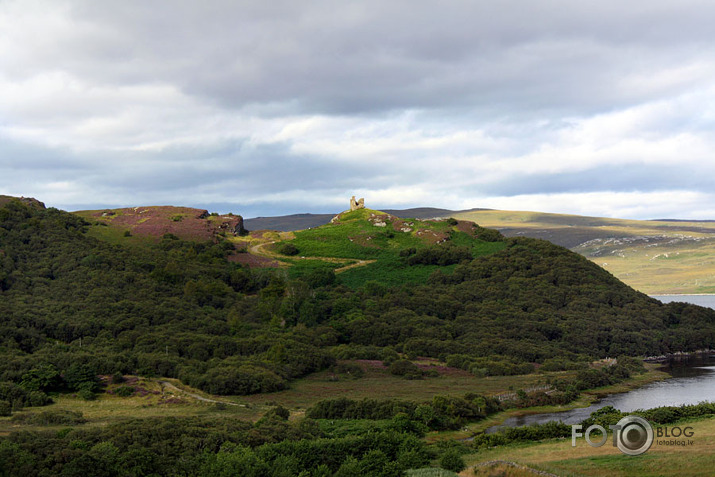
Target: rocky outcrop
{"points": [[28, 201]]}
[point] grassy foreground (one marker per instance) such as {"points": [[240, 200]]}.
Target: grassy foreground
{"points": [[558, 457]]}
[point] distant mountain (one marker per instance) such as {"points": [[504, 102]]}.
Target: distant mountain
{"points": [[289, 223]]}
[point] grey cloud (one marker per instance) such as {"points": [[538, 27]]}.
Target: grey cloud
{"points": [[374, 56]]}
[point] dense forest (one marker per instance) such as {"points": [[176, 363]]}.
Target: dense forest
{"points": [[180, 309], [73, 307]]}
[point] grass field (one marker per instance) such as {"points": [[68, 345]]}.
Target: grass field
{"points": [[157, 400], [557, 456], [655, 257]]}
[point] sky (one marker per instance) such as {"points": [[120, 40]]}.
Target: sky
{"points": [[603, 108]]}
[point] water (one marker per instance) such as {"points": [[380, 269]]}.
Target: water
{"points": [[702, 300], [693, 381]]}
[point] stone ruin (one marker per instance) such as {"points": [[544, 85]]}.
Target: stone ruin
{"points": [[355, 205]]}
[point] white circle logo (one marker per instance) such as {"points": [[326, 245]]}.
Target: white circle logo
{"points": [[634, 435]]}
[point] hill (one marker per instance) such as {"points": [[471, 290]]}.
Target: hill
{"points": [[666, 256], [154, 222], [289, 223], [653, 256], [29, 201], [441, 289], [416, 312]]}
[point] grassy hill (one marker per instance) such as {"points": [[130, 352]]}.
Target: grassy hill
{"points": [[432, 317], [653, 256], [370, 245]]}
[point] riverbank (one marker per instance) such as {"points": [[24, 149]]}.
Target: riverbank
{"points": [[587, 398]]}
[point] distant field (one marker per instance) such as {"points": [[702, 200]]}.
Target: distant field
{"points": [[653, 256]]}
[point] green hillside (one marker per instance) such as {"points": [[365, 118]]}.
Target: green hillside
{"points": [[384, 248], [358, 308]]}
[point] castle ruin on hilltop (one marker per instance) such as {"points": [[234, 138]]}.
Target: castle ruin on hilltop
{"points": [[355, 205]]}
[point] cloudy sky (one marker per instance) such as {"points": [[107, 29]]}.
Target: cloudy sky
{"points": [[600, 107]]}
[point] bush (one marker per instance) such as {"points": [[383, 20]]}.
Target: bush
{"points": [[51, 418], [452, 460], [124, 391], [440, 255], [81, 376], [288, 249], [5, 408], [406, 369]]}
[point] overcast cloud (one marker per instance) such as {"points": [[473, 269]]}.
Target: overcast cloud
{"points": [[600, 108]]}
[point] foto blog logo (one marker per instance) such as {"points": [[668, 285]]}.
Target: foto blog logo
{"points": [[633, 435]]}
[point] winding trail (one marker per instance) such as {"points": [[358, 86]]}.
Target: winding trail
{"points": [[260, 250], [171, 387]]}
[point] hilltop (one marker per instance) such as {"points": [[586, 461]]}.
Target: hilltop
{"points": [[366, 244], [156, 221], [664, 256], [654, 256], [28, 201]]}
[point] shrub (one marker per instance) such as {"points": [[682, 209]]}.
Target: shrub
{"points": [[87, 394], [451, 460], [288, 249], [51, 418], [406, 368], [124, 391], [81, 376], [5, 408]]}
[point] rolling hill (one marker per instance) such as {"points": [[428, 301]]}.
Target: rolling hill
{"points": [[654, 256], [424, 314]]}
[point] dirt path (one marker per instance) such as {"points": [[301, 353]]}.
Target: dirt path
{"points": [[359, 263], [171, 387], [261, 251]]}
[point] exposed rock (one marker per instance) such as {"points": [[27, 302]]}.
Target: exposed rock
{"points": [[29, 201]]}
